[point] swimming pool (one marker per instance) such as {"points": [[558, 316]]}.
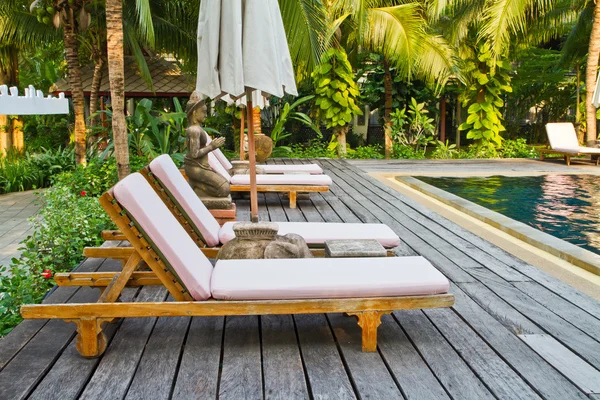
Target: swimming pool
{"points": [[565, 206]]}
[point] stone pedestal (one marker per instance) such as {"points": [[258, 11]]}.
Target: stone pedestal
{"points": [[217, 203], [223, 216], [354, 248]]}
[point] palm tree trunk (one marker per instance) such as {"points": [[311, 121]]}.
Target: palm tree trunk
{"points": [[116, 76], [96, 82], [387, 108], [72, 57], [590, 76], [9, 67]]}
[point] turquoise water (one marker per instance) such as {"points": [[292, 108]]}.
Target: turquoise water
{"points": [[565, 206]]}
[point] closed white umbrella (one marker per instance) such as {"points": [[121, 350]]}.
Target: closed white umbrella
{"points": [[242, 48]]}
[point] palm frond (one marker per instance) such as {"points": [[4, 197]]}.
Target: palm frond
{"points": [[305, 27], [138, 55], [576, 45], [144, 20], [502, 19], [436, 62]]}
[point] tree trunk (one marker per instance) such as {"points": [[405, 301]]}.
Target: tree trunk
{"points": [[96, 82], [340, 132], [590, 76], [387, 110], [116, 76], [18, 140], [443, 119], [9, 75], [72, 57]]}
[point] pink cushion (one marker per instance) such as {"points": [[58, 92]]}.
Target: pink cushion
{"points": [[305, 179], [282, 169], [562, 136], [326, 278], [221, 157], [167, 173], [136, 195], [214, 163], [316, 233]]}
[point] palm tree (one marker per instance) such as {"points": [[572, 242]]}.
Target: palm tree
{"points": [[114, 34]]}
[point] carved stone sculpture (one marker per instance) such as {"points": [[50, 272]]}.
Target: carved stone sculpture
{"points": [[209, 186], [256, 240]]}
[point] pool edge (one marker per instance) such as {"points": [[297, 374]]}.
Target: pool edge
{"points": [[562, 249]]}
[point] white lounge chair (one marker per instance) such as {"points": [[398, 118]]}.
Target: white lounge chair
{"points": [[563, 140], [365, 287]]}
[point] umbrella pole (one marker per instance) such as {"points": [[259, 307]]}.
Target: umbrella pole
{"points": [[242, 134], [252, 158]]}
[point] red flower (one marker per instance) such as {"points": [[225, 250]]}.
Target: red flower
{"points": [[83, 193], [47, 274]]}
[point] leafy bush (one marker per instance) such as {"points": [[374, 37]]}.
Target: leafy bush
{"points": [[404, 151], [517, 149], [70, 220], [98, 176], [412, 128], [444, 150], [25, 171], [366, 152], [482, 150], [314, 149]]}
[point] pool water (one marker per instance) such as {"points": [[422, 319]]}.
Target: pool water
{"points": [[565, 206]]}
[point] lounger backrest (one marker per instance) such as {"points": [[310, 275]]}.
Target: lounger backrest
{"points": [[217, 167], [221, 157], [562, 135], [165, 170], [140, 201]]}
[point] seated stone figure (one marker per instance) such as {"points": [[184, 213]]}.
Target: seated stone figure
{"points": [[207, 183]]}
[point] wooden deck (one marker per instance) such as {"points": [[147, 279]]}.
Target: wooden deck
{"points": [[514, 332]]}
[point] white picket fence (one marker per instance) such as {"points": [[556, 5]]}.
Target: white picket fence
{"points": [[33, 103]]}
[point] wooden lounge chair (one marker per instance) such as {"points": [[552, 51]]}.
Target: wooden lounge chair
{"points": [[563, 140], [364, 287], [177, 194], [292, 184]]}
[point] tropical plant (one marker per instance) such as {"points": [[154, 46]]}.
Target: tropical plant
{"points": [[489, 80], [444, 150], [517, 149], [287, 112], [413, 127], [336, 94]]}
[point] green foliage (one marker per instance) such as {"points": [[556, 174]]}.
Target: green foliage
{"points": [[335, 88], [315, 148], [26, 171], [412, 128], [481, 150], [46, 131], [154, 132], [444, 150], [517, 149], [279, 133], [69, 221], [489, 80], [366, 152], [97, 177], [407, 152]]}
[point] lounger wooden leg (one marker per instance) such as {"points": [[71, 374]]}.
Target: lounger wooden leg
{"points": [[568, 160], [369, 321], [292, 199], [91, 341], [541, 156]]}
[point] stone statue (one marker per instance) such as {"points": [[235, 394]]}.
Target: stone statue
{"points": [[209, 185]]}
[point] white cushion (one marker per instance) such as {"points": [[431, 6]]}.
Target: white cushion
{"points": [[282, 169], [316, 233], [589, 150], [170, 177], [562, 136], [307, 179], [214, 163], [325, 278], [221, 157], [136, 195]]}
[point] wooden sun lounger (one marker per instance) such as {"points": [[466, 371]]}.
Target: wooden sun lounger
{"points": [[90, 318], [567, 155], [291, 190]]}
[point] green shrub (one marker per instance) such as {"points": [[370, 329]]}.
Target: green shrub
{"points": [[517, 149], [366, 152], [404, 151], [482, 150], [25, 171], [444, 150], [66, 224], [314, 149]]}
